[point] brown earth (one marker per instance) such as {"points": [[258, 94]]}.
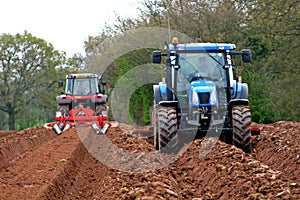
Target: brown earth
{"points": [[38, 164]]}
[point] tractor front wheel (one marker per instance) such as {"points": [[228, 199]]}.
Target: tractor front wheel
{"points": [[241, 123], [167, 130]]}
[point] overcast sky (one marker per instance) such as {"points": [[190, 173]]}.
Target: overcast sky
{"points": [[64, 23]]}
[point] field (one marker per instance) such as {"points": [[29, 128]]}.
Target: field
{"points": [[38, 164]]}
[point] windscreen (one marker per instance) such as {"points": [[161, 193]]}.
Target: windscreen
{"points": [[206, 65], [201, 65], [82, 86]]}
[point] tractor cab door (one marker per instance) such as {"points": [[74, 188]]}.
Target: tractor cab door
{"points": [[69, 86]]}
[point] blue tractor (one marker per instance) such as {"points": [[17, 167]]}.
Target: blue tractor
{"points": [[200, 95]]}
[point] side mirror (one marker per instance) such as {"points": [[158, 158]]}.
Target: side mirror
{"points": [[156, 57], [102, 85], [246, 55], [103, 82], [60, 83]]}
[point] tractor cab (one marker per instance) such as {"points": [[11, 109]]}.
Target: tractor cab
{"points": [[83, 84]]}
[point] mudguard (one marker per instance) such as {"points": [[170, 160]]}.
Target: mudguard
{"points": [[61, 100], [240, 90], [156, 93], [244, 93], [169, 103], [99, 99], [160, 96]]}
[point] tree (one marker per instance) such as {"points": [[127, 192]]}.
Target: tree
{"points": [[273, 36], [28, 73], [205, 21]]}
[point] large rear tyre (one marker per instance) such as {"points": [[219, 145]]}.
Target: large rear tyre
{"points": [[241, 123], [99, 108], [64, 109], [167, 130]]}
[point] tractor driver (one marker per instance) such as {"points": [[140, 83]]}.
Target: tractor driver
{"points": [[209, 67], [82, 87], [196, 67]]}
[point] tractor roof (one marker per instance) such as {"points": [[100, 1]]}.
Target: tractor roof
{"points": [[203, 47], [82, 75]]}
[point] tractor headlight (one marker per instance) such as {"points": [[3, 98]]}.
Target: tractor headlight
{"points": [[195, 98], [58, 114], [213, 96]]}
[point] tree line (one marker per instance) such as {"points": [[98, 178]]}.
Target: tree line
{"points": [[30, 67], [269, 28]]}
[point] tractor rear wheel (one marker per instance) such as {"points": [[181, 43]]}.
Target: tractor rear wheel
{"points": [[167, 130], [64, 109], [100, 108], [241, 123]]}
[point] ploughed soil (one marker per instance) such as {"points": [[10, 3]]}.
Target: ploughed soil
{"points": [[78, 164]]}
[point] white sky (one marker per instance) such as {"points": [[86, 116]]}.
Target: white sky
{"points": [[66, 24]]}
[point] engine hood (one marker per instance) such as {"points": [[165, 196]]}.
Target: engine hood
{"points": [[203, 93], [201, 86]]}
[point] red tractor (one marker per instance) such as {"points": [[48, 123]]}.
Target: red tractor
{"points": [[84, 101]]}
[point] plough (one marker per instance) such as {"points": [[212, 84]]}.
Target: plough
{"points": [[81, 116]]}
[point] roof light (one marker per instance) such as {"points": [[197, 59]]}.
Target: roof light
{"points": [[175, 40], [239, 79]]}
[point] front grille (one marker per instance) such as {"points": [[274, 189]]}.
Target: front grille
{"points": [[204, 97]]}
